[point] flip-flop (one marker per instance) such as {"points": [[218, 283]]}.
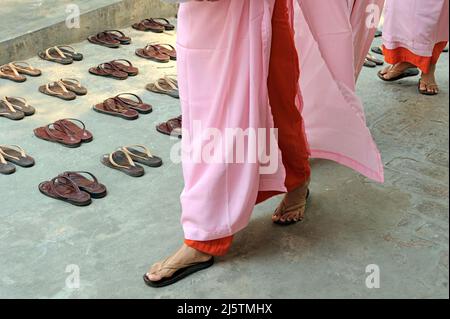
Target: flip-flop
{"points": [[369, 64], [108, 70], [373, 59], [426, 92], [113, 108], [165, 23], [64, 189], [167, 49], [54, 54], [90, 186], [377, 50], [172, 127], [152, 52], [405, 74], [166, 85], [105, 39], [70, 52], [16, 155], [126, 67], [184, 271], [119, 36], [73, 129], [74, 86], [121, 161], [58, 134], [25, 68], [59, 90], [282, 206], [21, 105], [9, 72], [144, 157], [149, 25], [5, 167], [7, 110], [136, 104]]}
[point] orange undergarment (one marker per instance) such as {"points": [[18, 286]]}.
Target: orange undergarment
{"points": [[401, 54]]}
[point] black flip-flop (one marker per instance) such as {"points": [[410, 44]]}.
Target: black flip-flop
{"points": [[16, 155], [121, 161], [179, 274], [5, 167], [407, 73], [377, 50], [142, 156]]}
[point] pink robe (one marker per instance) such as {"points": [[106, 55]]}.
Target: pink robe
{"points": [[416, 25], [223, 56]]}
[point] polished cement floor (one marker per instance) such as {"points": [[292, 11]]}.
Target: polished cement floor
{"points": [[401, 226]]}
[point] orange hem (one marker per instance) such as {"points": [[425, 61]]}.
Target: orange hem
{"points": [[424, 63]]}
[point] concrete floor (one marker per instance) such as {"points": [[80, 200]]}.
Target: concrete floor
{"points": [[402, 226]]}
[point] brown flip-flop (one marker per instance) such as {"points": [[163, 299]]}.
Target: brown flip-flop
{"points": [[89, 185], [73, 129], [119, 36], [63, 188], [149, 25], [172, 127], [136, 104], [105, 39], [58, 134], [74, 86], [152, 52], [167, 49], [113, 108], [126, 67], [426, 92], [57, 89], [165, 23], [109, 70], [55, 54], [7, 110], [25, 68], [16, 155], [121, 161], [9, 72]]}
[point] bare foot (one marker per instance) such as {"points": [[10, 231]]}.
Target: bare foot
{"points": [[292, 207], [393, 71], [428, 82], [184, 257]]}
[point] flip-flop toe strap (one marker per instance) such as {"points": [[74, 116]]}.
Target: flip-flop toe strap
{"points": [[147, 152]]}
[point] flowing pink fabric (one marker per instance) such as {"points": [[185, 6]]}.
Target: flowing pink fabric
{"points": [[223, 57], [416, 25]]}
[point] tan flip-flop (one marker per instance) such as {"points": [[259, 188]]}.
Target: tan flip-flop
{"points": [[25, 68], [7, 110], [74, 86], [57, 89], [20, 104], [55, 54], [9, 72], [121, 161], [166, 85]]}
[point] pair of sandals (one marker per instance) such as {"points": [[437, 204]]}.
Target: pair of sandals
{"points": [[162, 53], [110, 39], [125, 105], [430, 88], [76, 188], [65, 89], [62, 54], [15, 108], [172, 127], [17, 71], [67, 132], [157, 25], [167, 85], [12, 155], [125, 158], [119, 69]]}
